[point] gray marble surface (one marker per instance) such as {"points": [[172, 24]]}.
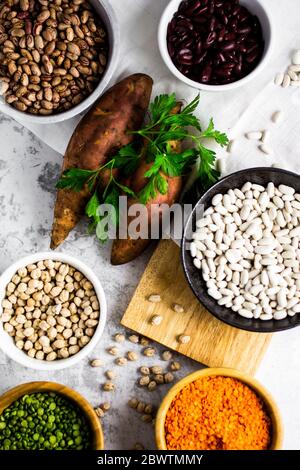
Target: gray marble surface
{"points": [[28, 171]]}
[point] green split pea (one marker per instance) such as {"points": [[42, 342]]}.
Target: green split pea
{"points": [[43, 421]]}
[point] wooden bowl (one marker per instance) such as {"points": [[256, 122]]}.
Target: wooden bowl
{"points": [[37, 387], [194, 277], [273, 411]]}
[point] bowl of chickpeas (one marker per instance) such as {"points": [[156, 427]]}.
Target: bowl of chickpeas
{"points": [[52, 311]]}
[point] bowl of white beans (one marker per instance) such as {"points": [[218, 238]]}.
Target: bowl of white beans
{"points": [[241, 250], [52, 311]]}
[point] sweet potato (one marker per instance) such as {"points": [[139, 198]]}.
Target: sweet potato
{"points": [[126, 250], [101, 132]]}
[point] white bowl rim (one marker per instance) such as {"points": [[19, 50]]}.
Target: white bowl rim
{"points": [[24, 118], [21, 357], [162, 44]]}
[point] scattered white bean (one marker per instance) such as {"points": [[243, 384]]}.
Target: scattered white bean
{"points": [[254, 135], [279, 79], [286, 81], [296, 57], [266, 149]]}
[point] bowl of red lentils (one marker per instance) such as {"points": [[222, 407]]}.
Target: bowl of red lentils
{"points": [[218, 409]]}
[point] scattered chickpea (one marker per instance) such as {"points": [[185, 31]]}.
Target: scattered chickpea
{"points": [[140, 407], [132, 356], [184, 339], [145, 370], [110, 374], [145, 341], [154, 298], [113, 351], [133, 403], [109, 387], [105, 406], [178, 308], [148, 409], [99, 412], [159, 379], [156, 370], [145, 380], [175, 365], [152, 385], [119, 338], [134, 339], [168, 378], [138, 446], [167, 355], [156, 320], [149, 352], [121, 361]]}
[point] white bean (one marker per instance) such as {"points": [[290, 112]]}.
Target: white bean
{"points": [[245, 313]]}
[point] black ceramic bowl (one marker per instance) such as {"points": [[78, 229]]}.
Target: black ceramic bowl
{"points": [[236, 180]]}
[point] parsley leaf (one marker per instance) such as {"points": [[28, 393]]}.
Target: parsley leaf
{"points": [[127, 159], [162, 107], [207, 173], [211, 133], [91, 209], [156, 183], [75, 179]]}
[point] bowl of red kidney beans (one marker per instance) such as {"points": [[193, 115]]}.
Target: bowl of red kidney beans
{"points": [[215, 45]]}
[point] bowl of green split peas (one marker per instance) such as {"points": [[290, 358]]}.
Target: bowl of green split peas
{"points": [[48, 416]]}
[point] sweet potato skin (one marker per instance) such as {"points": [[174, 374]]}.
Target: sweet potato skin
{"points": [[126, 250], [101, 132]]}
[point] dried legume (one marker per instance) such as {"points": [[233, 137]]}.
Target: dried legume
{"points": [[217, 413]]}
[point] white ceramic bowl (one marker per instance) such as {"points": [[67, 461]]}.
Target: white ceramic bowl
{"points": [[108, 16], [256, 7], [7, 343]]}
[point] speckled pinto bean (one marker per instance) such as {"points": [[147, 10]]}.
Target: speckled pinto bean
{"points": [[214, 42]]}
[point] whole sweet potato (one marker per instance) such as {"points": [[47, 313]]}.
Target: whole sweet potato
{"points": [[102, 131]]}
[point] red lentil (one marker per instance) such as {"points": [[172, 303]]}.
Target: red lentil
{"points": [[217, 413]]}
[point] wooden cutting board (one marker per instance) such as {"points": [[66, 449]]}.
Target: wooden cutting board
{"points": [[212, 343]]}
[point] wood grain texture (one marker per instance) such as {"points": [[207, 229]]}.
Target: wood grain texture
{"points": [[36, 387], [212, 343]]}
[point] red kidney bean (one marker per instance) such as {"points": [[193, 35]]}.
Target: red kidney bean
{"points": [[200, 58], [211, 38], [187, 43], [236, 10], [244, 30], [230, 37], [28, 27], [199, 19], [214, 41], [171, 49], [252, 56], [198, 47], [186, 23], [206, 74], [227, 46], [192, 8], [212, 23], [212, 7], [183, 6]]}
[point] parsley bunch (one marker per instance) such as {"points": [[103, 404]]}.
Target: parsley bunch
{"points": [[167, 124]]}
